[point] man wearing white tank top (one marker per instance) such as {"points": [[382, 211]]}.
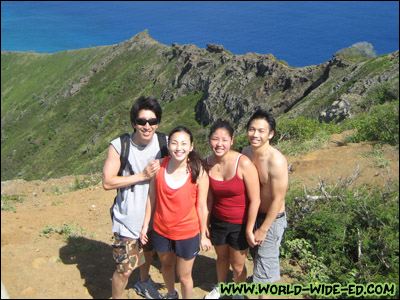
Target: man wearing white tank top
{"points": [[130, 205]]}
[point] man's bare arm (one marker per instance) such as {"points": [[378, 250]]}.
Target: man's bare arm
{"points": [[251, 181], [278, 174], [111, 180]]}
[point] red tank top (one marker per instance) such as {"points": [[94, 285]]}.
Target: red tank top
{"points": [[175, 216], [230, 199]]}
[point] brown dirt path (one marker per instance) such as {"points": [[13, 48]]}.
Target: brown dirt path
{"points": [[34, 266]]}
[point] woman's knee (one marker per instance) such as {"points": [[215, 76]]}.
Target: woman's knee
{"points": [[238, 268], [185, 279]]}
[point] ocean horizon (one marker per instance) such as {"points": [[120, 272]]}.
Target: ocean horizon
{"points": [[301, 33]]}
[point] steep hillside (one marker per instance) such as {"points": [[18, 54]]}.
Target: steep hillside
{"points": [[347, 91], [59, 111]]}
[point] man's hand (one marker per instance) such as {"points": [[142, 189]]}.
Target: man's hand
{"points": [[259, 236], [143, 235], [151, 169]]}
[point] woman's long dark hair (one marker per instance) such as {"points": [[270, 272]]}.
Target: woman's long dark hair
{"points": [[195, 162]]}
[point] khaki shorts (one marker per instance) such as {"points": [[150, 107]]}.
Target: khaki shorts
{"points": [[128, 253]]}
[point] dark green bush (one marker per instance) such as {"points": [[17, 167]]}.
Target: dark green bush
{"points": [[345, 235], [381, 124], [386, 92], [301, 129], [240, 142]]}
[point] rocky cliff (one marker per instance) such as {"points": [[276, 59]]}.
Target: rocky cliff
{"points": [[233, 86], [59, 111]]}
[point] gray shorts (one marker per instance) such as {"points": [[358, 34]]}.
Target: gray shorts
{"points": [[266, 262]]}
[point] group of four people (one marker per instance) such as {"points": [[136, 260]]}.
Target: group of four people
{"points": [[181, 203]]}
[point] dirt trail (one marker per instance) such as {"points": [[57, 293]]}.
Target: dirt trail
{"points": [[35, 266]]}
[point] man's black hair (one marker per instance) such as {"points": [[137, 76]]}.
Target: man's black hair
{"points": [[264, 115], [147, 103]]}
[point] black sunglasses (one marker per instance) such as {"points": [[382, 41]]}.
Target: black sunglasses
{"points": [[142, 121]]}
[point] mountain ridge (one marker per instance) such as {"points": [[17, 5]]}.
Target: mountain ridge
{"points": [[59, 111]]}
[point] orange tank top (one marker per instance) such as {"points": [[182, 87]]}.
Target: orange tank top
{"points": [[175, 216]]}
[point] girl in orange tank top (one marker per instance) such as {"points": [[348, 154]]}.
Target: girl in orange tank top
{"points": [[178, 200]]}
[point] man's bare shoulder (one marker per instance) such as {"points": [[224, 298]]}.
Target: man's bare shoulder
{"points": [[276, 153], [277, 159]]}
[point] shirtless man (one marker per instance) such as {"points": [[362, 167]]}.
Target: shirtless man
{"points": [[271, 220]]}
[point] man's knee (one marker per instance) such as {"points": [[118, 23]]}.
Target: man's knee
{"points": [[124, 275]]}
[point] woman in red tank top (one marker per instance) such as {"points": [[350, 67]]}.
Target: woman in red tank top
{"points": [[234, 199], [178, 200]]}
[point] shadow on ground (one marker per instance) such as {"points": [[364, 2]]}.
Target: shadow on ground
{"points": [[96, 266], [94, 261]]}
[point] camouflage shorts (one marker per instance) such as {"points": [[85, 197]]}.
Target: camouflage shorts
{"points": [[128, 253]]}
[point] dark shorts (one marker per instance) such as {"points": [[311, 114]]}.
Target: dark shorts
{"points": [[222, 233], [128, 253], [187, 248]]}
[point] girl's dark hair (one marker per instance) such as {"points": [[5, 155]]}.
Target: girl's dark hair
{"points": [[148, 103], [221, 123], [195, 162]]}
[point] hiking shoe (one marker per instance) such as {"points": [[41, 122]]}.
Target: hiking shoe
{"points": [[214, 294], [147, 289], [174, 296]]}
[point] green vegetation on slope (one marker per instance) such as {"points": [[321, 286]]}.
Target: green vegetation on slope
{"points": [[344, 235], [60, 111], [47, 135]]}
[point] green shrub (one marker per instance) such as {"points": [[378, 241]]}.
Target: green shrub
{"points": [[240, 142], [387, 92], [293, 147], [86, 182], [67, 230], [381, 124], [345, 235], [301, 129], [7, 202]]}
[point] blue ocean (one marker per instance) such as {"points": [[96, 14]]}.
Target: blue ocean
{"points": [[301, 32]]}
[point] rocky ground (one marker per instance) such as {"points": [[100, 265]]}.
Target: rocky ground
{"points": [[38, 262]]}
